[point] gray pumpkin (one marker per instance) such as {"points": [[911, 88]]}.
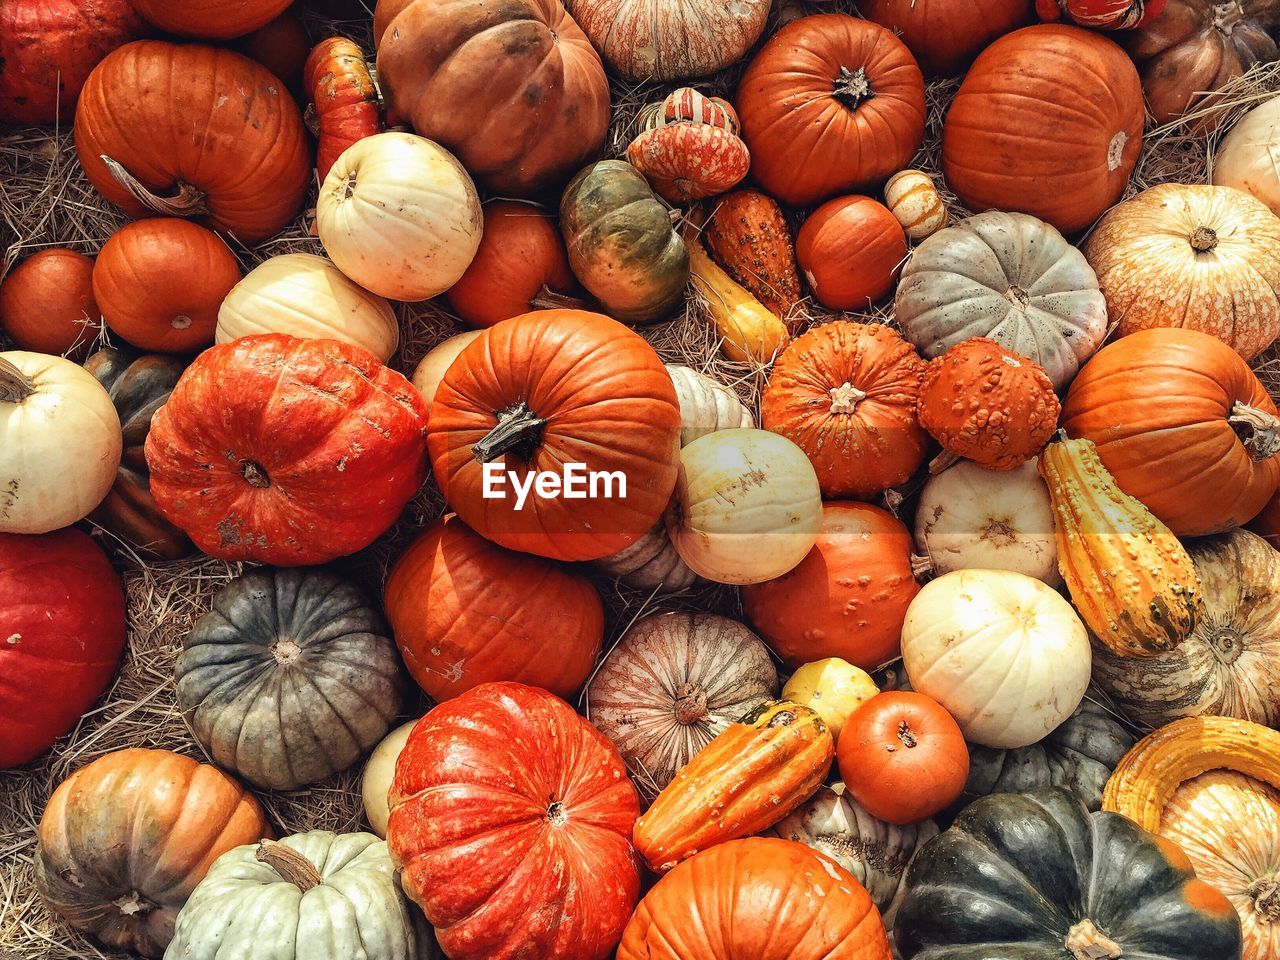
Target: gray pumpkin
{"points": [[290, 677]]}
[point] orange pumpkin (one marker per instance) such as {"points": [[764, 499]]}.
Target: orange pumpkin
{"points": [[945, 35], [830, 104], [337, 80], [160, 283], [1267, 523], [689, 160], [212, 19], [47, 305], [846, 394], [1048, 121], [748, 236], [281, 46], [851, 250]]}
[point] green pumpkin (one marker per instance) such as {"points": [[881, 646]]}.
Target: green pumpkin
{"points": [[1038, 877], [622, 245]]}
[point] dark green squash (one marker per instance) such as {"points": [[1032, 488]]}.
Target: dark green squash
{"points": [[291, 677], [622, 244], [1038, 877]]}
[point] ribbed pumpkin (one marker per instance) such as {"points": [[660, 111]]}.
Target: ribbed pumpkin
{"points": [[281, 45], [685, 104], [651, 563], [706, 405], [688, 160], [850, 250], [245, 175], [430, 371], [1243, 157], [945, 35], [747, 779], [748, 236], [337, 81], [215, 19], [46, 303], [915, 203]]}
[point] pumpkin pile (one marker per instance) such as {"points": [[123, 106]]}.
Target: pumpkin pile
{"points": [[708, 530]]}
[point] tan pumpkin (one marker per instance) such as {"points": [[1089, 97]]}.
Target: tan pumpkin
{"points": [[651, 564], [1246, 157], [915, 203], [379, 769], [706, 405], [430, 371], [1200, 257]]}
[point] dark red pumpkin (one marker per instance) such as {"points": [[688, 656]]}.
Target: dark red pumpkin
{"points": [[281, 46], [63, 613], [511, 819], [1101, 14], [945, 35], [1267, 523], [850, 250]]}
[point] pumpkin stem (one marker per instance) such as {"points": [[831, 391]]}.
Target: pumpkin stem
{"points": [[691, 704], [1087, 942], [1203, 239], [1258, 430], [921, 566], [906, 735], [292, 866], [15, 386], [548, 299], [1017, 297], [852, 88], [189, 201], [518, 430], [134, 904], [1265, 892], [254, 475], [556, 814], [846, 397], [941, 462]]}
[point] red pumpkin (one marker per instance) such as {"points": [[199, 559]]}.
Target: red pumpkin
{"points": [[902, 757], [521, 259], [247, 172], [1267, 523], [543, 390], [336, 78], [945, 35], [310, 457], [1045, 85], [850, 250], [48, 47], [211, 19], [281, 46], [1101, 14], [63, 612], [686, 103], [689, 160], [511, 819], [848, 598], [47, 305], [830, 104]]}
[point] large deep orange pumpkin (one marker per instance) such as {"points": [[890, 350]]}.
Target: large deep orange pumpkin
{"points": [[945, 35], [46, 304], [515, 89], [831, 104], [511, 819], [1048, 121], [850, 250], [543, 390], [244, 174], [465, 611], [286, 451], [211, 19], [1183, 425]]}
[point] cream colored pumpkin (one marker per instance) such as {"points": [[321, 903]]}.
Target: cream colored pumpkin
{"points": [[400, 216], [746, 508], [307, 296], [60, 443], [1004, 653], [379, 770], [651, 563], [431, 369], [1249, 156], [1204, 258], [973, 518], [915, 203], [833, 688], [705, 405]]}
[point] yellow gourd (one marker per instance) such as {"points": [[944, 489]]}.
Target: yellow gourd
{"points": [[834, 688]]}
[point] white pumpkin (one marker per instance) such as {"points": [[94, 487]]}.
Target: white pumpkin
{"points": [[705, 405], [400, 216], [60, 442], [970, 518], [431, 369], [1249, 156], [307, 296], [746, 508], [651, 563], [915, 203], [1004, 653], [378, 773]]}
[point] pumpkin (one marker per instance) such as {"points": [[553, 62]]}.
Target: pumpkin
{"points": [[1037, 875], [1183, 425], [47, 306], [214, 19], [160, 282], [710, 907], [976, 280], [48, 48], [64, 622], [972, 518], [967, 632], [830, 104], [850, 250], [543, 390], [344, 96], [130, 515], [466, 612], [1195, 47], [833, 688], [1145, 249], [133, 136], [746, 507], [945, 35], [315, 894], [685, 104], [1243, 157], [1024, 91], [671, 684], [706, 405], [989, 404], [1267, 523], [749, 777], [59, 442], [537, 101], [689, 160], [125, 839], [379, 770], [502, 865], [846, 393], [430, 371], [650, 564], [520, 263], [915, 203], [1227, 665], [289, 678], [399, 216], [311, 457], [622, 246], [1102, 14], [847, 598], [281, 45], [306, 296], [748, 236]]}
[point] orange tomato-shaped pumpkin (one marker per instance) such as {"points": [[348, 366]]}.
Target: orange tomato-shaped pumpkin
{"points": [[212, 19], [945, 35], [46, 304], [851, 250]]}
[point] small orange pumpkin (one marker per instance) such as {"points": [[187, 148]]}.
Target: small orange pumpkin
{"points": [[689, 147], [47, 305], [851, 249]]}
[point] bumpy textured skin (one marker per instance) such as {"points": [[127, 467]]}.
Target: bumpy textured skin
{"points": [[213, 19], [749, 237], [688, 161], [749, 331], [336, 78], [945, 35]]}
